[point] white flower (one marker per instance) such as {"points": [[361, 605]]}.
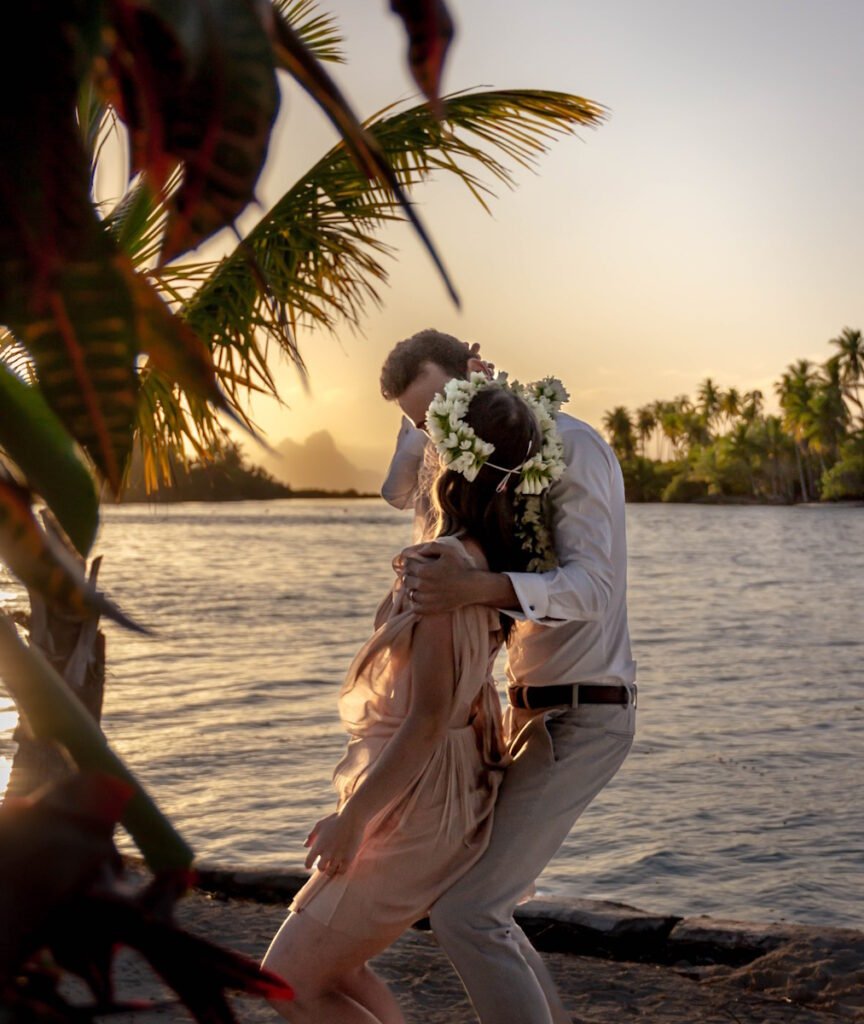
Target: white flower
{"points": [[462, 451]]}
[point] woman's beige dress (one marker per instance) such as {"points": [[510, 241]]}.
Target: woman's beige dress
{"points": [[439, 826]]}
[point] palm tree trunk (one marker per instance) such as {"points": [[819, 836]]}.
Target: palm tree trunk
{"points": [[804, 493], [76, 648]]}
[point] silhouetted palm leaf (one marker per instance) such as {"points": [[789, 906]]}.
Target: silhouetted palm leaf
{"points": [[363, 147], [316, 257]]}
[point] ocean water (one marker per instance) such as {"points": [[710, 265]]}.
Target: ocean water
{"points": [[742, 796]]}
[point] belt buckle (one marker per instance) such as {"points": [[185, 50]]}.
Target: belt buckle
{"points": [[633, 695], [518, 697]]}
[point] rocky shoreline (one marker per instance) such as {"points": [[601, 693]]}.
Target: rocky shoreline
{"points": [[612, 962]]}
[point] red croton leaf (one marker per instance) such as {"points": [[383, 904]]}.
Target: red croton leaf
{"points": [[58, 289], [430, 32], [52, 846], [60, 892], [196, 84]]}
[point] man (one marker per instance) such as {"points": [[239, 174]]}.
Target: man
{"points": [[570, 673]]}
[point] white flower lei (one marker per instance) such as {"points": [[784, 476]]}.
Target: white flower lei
{"points": [[464, 452]]}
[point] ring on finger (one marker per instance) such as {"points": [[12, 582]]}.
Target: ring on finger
{"points": [[411, 594]]}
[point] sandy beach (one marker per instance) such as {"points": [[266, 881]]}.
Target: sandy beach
{"points": [[612, 963]]}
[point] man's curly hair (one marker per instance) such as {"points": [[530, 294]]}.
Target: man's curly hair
{"points": [[402, 366]]}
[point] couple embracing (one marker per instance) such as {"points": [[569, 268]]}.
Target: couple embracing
{"points": [[445, 809]]}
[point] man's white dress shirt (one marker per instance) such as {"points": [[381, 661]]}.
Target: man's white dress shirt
{"points": [[573, 627]]}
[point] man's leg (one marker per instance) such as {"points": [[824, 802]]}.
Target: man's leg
{"points": [[561, 762]]}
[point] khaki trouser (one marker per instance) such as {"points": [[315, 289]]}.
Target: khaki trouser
{"points": [[562, 759]]}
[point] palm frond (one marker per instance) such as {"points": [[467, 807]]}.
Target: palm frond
{"points": [[137, 222], [16, 357], [317, 31], [172, 428], [317, 258]]}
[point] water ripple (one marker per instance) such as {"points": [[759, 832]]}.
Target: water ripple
{"points": [[741, 796]]}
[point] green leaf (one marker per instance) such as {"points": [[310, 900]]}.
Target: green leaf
{"points": [[42, 449], [43, 565], [54, 713]]}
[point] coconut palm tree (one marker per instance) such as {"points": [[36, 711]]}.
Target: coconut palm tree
{"points": [[795, 389], [830, 416], [619, 428], [752, 404], [671, 422], [709, 398], [646, 424], [850, 345], [730, 405], [98, 360]]}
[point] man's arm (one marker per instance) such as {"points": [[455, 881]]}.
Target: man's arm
{"points": [[400, 487], [439, 578], [585, 502], [578, 589]]}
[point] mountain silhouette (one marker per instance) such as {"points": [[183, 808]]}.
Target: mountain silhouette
{"points": [[318, 464]]}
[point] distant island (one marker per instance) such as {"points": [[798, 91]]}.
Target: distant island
{"points": [[318, 463], [722, 448], [226, 476]]}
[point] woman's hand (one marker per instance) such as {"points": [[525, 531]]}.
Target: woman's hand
{"points": [[334, 842]]}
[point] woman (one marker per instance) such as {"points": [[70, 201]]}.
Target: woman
{"points": [[417, 783]]}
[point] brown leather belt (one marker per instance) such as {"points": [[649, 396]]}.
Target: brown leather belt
{"points": [[535, 698]]}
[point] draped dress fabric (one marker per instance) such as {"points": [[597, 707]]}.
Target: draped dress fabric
{"points": [[439, 826]]}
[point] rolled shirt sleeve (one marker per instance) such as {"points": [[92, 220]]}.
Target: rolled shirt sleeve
{"points": [[588, 504]]}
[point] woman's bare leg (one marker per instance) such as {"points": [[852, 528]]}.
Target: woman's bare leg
{"points": [[327, 970], [373, 993]]}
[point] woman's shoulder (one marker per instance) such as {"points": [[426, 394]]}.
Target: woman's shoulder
{"points": [[470, 546]]}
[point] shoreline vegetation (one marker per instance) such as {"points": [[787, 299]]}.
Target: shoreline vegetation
{"points": [[225, 476], [721, 449], [724, 449]]}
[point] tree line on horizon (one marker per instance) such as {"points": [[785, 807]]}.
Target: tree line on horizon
{"points": [[725, 446], [225, 474]]}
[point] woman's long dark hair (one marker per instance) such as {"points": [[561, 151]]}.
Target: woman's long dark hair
{"points": [[477, 508]]}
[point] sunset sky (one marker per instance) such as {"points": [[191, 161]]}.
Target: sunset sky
{"points": [[714, 226]]}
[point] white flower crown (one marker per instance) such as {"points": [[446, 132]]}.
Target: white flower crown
{"points": [[464, 452]]}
